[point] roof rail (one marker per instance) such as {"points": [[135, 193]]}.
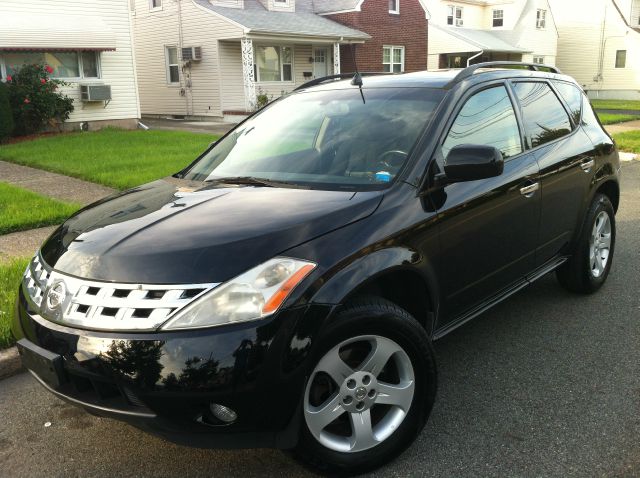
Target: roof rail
{"points": [[340, 76], [470, 70]]}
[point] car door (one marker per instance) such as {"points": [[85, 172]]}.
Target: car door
{"points": [[487, 228], [566, 158]]}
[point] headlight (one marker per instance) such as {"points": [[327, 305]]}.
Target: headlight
{"points": [[253, 295]]}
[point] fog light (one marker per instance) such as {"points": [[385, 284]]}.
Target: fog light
{"points": [[222, 413]]}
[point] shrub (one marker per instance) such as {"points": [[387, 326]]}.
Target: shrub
{"points": [[262, 99], [6, 116], [35, 100]]}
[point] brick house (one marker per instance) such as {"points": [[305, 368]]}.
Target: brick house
{"points": [[398, 30]]}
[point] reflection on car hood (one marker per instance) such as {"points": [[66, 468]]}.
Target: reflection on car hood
{"points": [[173, 231]]}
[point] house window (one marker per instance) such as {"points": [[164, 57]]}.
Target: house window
{"points": [[454, 16], [539, 60], [498, 18], [173, 67], [155, 4], [393, 59], [541, 19], [281, 3], [274, 63], [621, 58], [394, 6], [66, 65]]}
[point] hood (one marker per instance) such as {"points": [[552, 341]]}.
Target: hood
{"points": [[177, 232]]}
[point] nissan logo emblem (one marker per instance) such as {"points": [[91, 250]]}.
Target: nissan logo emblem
{"points": [[56, 295]]}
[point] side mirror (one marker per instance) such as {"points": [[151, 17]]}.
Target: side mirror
{"points": [[470, 162]]}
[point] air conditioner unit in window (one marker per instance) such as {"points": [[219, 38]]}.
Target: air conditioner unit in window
{"points": [[459, 22], [192, 53], [95, 92]]}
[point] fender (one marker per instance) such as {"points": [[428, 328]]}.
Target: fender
{"points": [[363, 270], [604, 174]]}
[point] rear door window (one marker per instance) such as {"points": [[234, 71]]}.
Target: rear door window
{"points": [[487, 118], [573, 97], [545, 119]]}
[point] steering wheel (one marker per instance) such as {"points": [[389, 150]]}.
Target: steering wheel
{"points": [[394, 161]]}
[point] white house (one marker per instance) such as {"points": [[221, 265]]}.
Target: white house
{"points": [[463, 32], [212, 58], [599, 45], [88, 43]]}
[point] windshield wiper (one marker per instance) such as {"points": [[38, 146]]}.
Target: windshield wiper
{"points": [[250, 180]]}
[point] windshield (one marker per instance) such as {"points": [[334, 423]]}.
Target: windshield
{"points": [[324, 139]]}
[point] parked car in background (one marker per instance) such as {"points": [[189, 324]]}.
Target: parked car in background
{"points": [[284, 290]]}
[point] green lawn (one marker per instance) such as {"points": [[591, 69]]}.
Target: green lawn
{"points": [[629, 141], [116, 158], [616, 104], [607, 118], [10, 275], [21, 209]]}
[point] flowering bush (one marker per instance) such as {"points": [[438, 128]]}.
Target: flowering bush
{"points": [[35, 101]]}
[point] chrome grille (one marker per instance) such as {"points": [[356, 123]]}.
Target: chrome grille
{"points": [[107, 305]]}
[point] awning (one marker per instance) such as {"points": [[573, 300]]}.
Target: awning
{"points": [[495, 41], [37, 32]]}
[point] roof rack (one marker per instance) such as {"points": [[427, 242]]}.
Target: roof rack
{"points": [[470, 70], [341, 76]]}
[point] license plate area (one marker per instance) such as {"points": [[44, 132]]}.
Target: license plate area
{"points": [[46, 365]]}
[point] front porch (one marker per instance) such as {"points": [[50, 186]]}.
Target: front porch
{"points": [[259, 68]]}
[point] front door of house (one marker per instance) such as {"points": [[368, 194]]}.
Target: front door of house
{"points": [[320, 62]]}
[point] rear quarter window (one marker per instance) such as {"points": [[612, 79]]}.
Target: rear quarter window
{"points": [[545, 119], [573, 97]]}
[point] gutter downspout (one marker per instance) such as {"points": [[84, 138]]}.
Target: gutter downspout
{"points": [[474, 57]]}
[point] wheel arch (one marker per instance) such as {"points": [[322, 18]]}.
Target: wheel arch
{"points": [[611, 189], [397, 274]]}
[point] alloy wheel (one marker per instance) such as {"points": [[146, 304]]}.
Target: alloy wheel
{"points": [[600, 244], [359, 393]]}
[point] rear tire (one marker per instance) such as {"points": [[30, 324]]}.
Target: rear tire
{"points": [[374, 369], [588, 267]]}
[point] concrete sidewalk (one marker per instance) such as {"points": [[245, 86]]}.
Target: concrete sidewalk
{"points": [[213, 127], [56, 186], [623, 127]]}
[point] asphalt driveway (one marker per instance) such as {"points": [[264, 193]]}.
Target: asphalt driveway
{"points": [[545, 384]]}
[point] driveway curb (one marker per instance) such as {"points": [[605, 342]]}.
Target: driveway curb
{"points": [[10, 363]]}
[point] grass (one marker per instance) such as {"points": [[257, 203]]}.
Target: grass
{"points": [[628, 141], [10, 275], [616, 104], [608, 118], [117, 158], [21, 209]]}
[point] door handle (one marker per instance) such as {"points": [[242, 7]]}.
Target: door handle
{"points": [[587, 165], [527, 191]]}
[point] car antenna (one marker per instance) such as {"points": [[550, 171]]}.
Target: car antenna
{"points": [[357, 78]]}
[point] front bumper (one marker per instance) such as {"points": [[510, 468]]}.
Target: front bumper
{"points": [[164, 382]]}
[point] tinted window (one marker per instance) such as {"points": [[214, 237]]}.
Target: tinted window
{"points": [[328, 139], [486, 118], [572, 95], [545, 118]]}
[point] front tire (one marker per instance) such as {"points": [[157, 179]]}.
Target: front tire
{"points": [[371, 389], [588, 267]]}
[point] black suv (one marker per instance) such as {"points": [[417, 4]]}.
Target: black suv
{"points": [[284, 289]]}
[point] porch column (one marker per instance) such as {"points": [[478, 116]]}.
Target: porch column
{"points": [[336, 58], [247, 74]]}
